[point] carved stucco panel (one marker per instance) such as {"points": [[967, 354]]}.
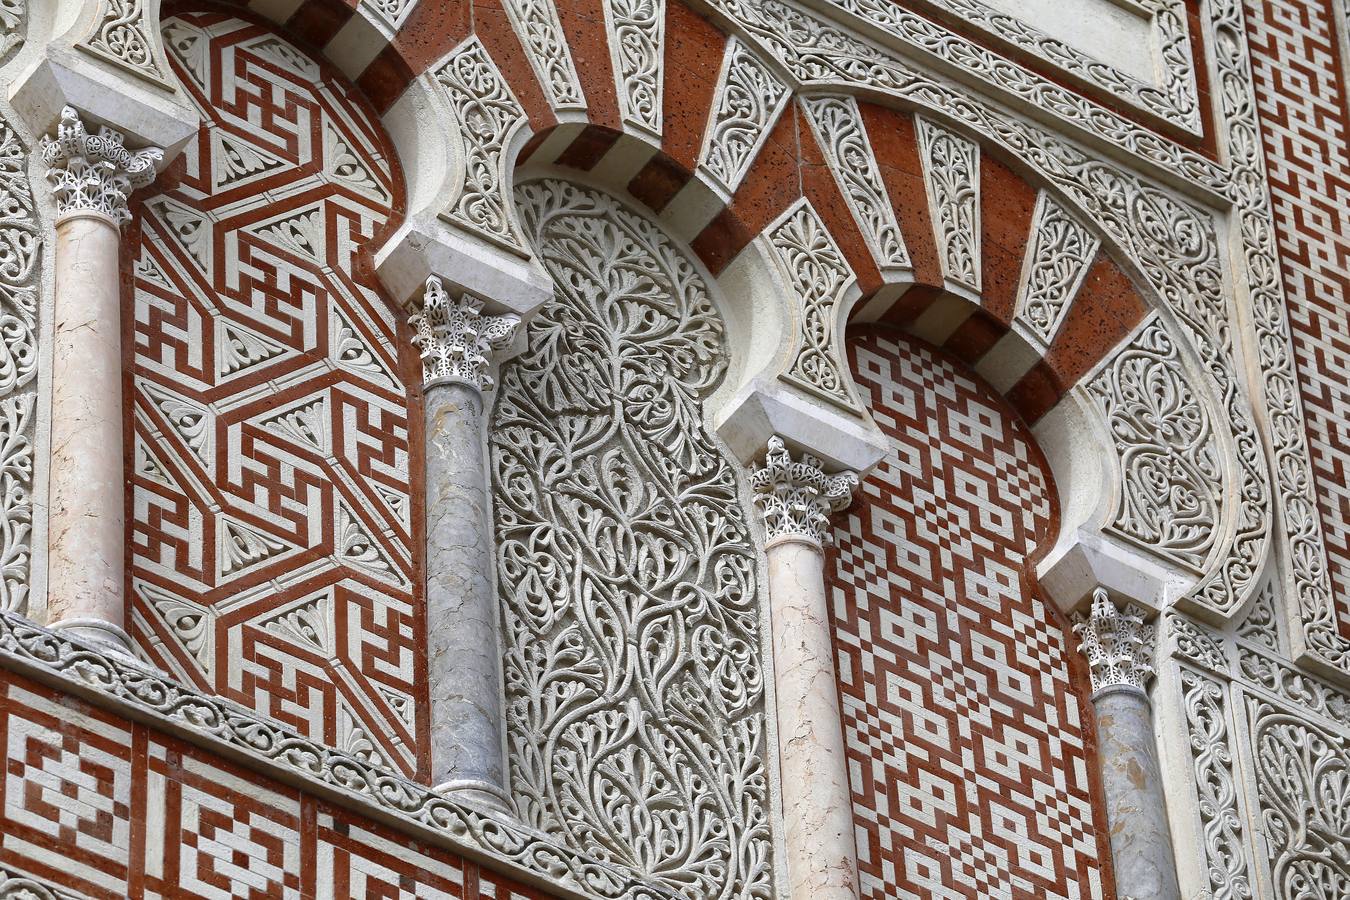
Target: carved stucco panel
{"points": [[489, 115], [1169, 462], [626, 572], [1057, 259], [540, 31], [819, 277], [125, 33]]}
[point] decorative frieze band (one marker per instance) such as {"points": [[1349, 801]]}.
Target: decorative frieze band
{"points": [[94, 172], [796, 497], [131, 689], [1117, 643], [456, 340]]}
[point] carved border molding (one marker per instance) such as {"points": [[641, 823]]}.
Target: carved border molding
{"points": [[1174, 99], [147, 695], [818, 53]]}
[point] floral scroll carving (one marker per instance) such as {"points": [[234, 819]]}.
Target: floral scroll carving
{"points": [[488, 115], [626, 572], [1061, 251], [637, 30], [1171, 483], [819, 275], [124, 34], [748, 101], [951, 177]]}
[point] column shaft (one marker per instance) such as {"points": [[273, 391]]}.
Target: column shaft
{"points": [[817, 805], [463, 656], [87, 487], [1141, 844]]}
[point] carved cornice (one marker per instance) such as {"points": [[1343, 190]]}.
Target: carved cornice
{"points": [[130, 689], [1117, 643], [797, 497], [456, 340], [94, 172]]}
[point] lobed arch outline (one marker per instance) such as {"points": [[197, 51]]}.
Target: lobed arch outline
{"points": [[396, 73]]}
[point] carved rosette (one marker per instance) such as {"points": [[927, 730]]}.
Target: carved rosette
{"points": [[1117, 643], [797, 497], [94, 172], [456, 339]]}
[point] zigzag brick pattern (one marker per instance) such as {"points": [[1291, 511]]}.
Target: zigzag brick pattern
{"points": [[95, 806], [1302, 105], [268, 440], [968, 754]]}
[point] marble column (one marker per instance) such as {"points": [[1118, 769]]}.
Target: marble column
{"points": [[796, 498], [91, 176], [463, 650], [1119, 649]]}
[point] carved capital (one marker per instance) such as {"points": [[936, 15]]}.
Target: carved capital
{"points": [[1117, 643], [94, 172], [456, 339], [797, 497]]}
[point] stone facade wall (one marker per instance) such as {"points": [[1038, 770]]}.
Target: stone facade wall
{"points": [[1069, 313]]}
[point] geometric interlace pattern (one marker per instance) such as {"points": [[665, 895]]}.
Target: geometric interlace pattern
{"points": [[965, 735], [268, 453]]}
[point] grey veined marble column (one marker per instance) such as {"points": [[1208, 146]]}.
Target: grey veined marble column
{"points": [[463, 651], [1119, 649], [91, 176], [796, 498]]}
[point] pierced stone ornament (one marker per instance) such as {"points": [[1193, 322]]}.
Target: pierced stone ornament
{"points": [[797, 498], [94, 172], [455, 338], [1117, 643]]}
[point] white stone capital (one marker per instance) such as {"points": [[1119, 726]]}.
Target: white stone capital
{"points": [[94, 173], [796, 497], [1117, 642], [456, 340]]}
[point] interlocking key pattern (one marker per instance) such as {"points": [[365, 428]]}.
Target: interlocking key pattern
{"points": [[268, 449], [965, 732], [1301, 99]]}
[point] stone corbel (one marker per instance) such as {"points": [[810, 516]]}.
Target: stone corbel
{"points": [[462, 226], [105, 58], [795, 496], [789, 374]]}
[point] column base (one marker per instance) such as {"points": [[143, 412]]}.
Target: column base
{"points": [[103, 635], [477, 793]]}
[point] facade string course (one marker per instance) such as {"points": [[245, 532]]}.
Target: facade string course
{"points": [[724, 198]]}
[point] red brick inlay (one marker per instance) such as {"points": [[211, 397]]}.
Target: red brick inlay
{"points": [[269, 454], [964, 724]]}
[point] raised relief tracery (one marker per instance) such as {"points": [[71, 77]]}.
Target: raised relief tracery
{"points": [[626, 572]]}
